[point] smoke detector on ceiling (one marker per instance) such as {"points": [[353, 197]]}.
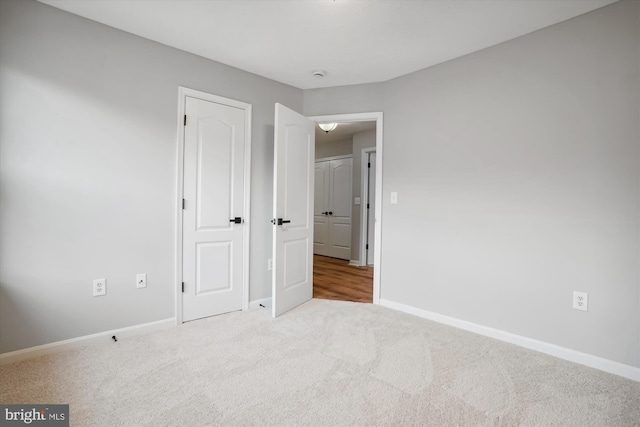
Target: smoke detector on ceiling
{"points": [[318, 74]]}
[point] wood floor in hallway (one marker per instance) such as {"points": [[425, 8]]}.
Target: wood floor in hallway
{"points": [[337, 280]]}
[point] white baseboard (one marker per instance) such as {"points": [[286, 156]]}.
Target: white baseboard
{"points": [[266, 302], [596, 362], [355, 262], [101, 337]]}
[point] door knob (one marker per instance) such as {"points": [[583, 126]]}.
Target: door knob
{"points": [[236, 220], [330, 213]]}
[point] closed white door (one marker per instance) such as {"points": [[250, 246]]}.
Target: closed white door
{"points": [[214, 175], [321, 209], [340, 208], [293, 184], [332, 210]]}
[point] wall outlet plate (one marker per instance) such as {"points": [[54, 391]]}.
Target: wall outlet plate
{"points": [[99, 287], [580, 300]]}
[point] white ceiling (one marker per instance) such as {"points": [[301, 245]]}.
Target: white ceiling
{"points": [[355, 41]]}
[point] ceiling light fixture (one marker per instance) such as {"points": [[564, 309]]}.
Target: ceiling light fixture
{"points": [[318, 74], [328, 127]]}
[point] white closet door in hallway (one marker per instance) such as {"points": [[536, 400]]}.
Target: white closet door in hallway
{"points": [[332, 208]]}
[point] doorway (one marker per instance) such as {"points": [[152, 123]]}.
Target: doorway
{"points": [[348, 279]]}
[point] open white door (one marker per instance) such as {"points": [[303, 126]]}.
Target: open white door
{"points": [[293, 177]]}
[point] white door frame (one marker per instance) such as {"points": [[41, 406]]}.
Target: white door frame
{"points": [[364, 220], [183, 92], [362, 117]]}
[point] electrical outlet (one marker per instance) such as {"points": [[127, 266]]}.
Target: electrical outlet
{"points": [[99, 287], [580, 300], [269, 264], [141, 280]]}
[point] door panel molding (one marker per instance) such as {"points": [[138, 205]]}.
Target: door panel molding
{"points": [[183, 93]]}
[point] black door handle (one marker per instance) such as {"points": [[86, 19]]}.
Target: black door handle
{"points": [[280, 221], [236, 220], [330, 213]]}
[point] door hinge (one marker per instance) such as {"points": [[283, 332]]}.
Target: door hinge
{"points": [[369, 165], [182, 286], [185, 120], [182, 204], [367, 206], [367, 246]]}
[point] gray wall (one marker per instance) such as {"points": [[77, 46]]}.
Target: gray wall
{"points": [[88, 172], [334, 148], [517, 171], [344, 99]]}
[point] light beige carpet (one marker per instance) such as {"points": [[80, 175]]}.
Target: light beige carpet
{"points": [[324, 363]]}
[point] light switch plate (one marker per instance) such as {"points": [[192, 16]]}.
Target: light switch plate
{"points": [[141, 280]]}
